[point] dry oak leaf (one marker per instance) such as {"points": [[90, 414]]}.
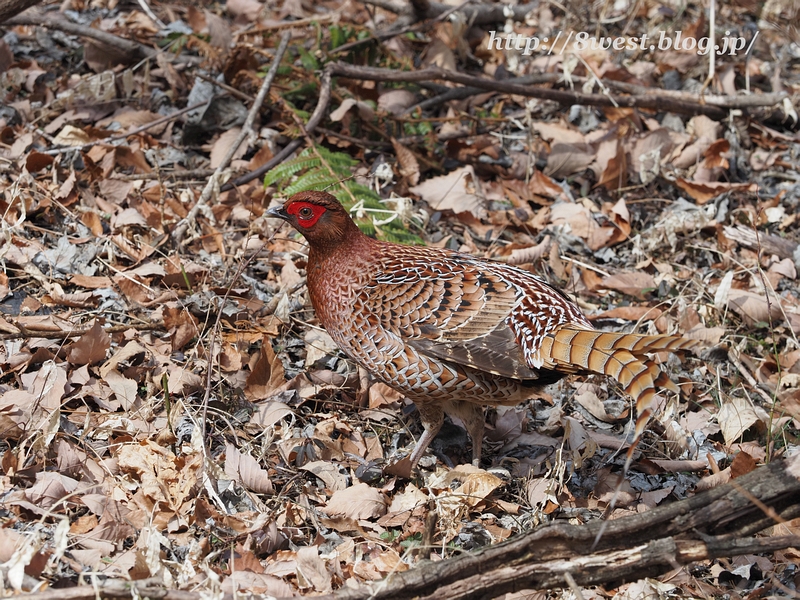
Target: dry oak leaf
{"points": [[567, 159], [247, 9], [124, 388], [329, 473], [257, 583], [396, 102], [312, 571], [706, 191], [182, 324], [357, 502]]}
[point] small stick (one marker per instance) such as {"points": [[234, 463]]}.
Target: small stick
{"points": [[213, 182], [140, 129]]}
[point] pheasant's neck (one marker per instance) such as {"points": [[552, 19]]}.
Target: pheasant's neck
{"points": [[336, 277]]}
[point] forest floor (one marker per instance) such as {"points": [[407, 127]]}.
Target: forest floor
{"points": [[169, 407]]}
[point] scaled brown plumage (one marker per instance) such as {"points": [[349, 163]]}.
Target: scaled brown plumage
{"points": [[453, 332]]}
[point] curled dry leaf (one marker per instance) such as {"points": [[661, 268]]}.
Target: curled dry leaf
{"points": [[357, 502], [318, 345], [531, 253], [222, 145], [268, 413], [256, 583], [248, 10], [567, 159], [267, 376], [637, 283], [182, 325], [455, 191], [124, 389], [409, 167], [396, 101], [735, 417], [703, 192], [364, 110], [611, 165], [312, 570], [329, 473], [245, 470]]}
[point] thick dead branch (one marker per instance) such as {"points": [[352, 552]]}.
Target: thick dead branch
{"points": [[9, 8], [706, 526], [134, 50], [713, 524], [657, 101], [770, 244]]}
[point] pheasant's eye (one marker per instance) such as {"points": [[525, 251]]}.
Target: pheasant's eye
{"points": [[307, 213]]}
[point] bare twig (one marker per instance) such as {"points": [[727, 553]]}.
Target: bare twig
{"points": [[466, 92], [213, 183], [228, 88], [749, 378], [294, 145], [182, 175], [140, 129], [25, 332]]}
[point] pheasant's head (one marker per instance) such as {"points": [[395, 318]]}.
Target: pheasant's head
{"points": [[320, 217]]}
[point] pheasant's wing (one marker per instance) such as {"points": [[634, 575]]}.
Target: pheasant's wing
{"points": [[455, 308]]}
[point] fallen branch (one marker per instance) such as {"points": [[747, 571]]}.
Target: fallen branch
{"points": [[769, 243], [463, 93], [135, 50], [9, 8], [709, 525], [713, 106]]}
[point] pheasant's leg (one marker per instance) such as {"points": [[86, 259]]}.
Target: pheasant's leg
{"points": [[471, 415], [432, 417]]}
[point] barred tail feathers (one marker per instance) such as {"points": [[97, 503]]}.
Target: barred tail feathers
{"points": [[621, 356]]}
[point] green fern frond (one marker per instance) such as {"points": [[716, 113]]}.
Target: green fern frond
{"points": [[289, 168], [313, 180]]}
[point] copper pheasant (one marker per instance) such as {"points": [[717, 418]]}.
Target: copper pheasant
{"points": [[455, 333]]}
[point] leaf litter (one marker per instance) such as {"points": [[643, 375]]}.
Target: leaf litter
{"points": [[115, 463]]}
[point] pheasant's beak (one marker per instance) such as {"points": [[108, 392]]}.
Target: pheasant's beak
{"points": [[277, 212]]}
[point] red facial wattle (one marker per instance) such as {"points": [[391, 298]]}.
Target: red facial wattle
{"points": [[306, 213]]}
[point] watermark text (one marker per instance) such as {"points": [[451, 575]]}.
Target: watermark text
{"points": [[581, 41]]}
